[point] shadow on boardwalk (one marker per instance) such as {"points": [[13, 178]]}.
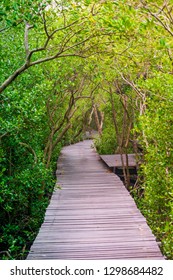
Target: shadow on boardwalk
{"points": [[92, 216]]}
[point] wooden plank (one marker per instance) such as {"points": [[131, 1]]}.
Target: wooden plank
{"points": [[92, 216], [115, 160]]}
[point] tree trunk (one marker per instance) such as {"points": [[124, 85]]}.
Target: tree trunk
{"points": [[97, 120]]}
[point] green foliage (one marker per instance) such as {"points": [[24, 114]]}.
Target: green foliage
{"points": [[106, 144], [115, 55], [13, 12], [21, 209], [38, 102], [156, 125], [26, 183], [143, 61]]}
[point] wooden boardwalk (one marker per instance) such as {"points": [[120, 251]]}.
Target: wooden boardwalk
{"points": [[92, 216], [115, 160]]}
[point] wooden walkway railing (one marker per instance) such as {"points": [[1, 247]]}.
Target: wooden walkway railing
{"points": [[93, 216]]}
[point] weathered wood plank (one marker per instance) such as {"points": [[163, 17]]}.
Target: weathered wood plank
{"points": [[92, 216], [115, 160]]}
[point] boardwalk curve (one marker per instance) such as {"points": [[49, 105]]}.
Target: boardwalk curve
{"points": [[92, 216]]}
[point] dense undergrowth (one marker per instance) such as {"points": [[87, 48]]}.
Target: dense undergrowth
{"points": [[24, 196], [70, 67]]}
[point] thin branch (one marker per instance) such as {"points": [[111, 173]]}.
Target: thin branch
{"points": [[58, 55], [8, 27], [65, 42], [82, 97], [166, 27], [3, 135], [64, 16], [3, 29], [10, 79], [125, 108], [79, 43], [31, 150], [131, 84], [45, 26], [61, 135], [169, 54], [64, 27], [71, 113], [39, 49], [27, 28], [170, 13], [6, 252]]}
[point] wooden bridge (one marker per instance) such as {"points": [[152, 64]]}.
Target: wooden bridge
{"points": [[92, 216]]}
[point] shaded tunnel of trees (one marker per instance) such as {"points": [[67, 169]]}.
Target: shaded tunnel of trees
{"points": [[69, 67]]}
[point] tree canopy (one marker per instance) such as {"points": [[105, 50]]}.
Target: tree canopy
{"points": [[71, 66]]}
